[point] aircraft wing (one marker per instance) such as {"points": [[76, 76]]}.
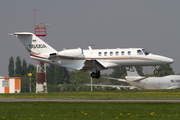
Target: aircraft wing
{"points": [[114, 86], [121, 80], [173, 87], [126, 86], [138, 80], [89, 64]]}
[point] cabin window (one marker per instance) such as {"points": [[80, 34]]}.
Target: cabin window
{"points": [[105, 53], [99, 53], [5, 83], [117, 53], [139, 52], [129, 52], [122, 53], [111, 53]]}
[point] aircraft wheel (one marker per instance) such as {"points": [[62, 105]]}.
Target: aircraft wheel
{"points": [[156, 71], [98, 75], [93, 75]]}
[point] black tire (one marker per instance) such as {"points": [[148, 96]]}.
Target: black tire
{"points": [[156, 71], [98, 75], [93, 75]]}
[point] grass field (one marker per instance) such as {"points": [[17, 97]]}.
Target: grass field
{"points": [[89, 111], [123, 94], [92, 110]]}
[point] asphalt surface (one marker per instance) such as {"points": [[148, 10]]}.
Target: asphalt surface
{"points": [[87, 100]]}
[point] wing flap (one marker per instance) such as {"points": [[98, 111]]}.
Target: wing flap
{"points": [[88, 65]]}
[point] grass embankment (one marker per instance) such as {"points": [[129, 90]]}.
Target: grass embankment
{"points": [[123, 94], [89, 111]]}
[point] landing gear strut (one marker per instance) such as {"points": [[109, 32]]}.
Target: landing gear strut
{"points": [[95, 75]]}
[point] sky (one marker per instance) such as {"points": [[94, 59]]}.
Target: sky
{"points": [[150, 24]]}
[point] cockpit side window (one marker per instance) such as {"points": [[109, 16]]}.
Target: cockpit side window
{"points": [[139, 52], [145, 52]]}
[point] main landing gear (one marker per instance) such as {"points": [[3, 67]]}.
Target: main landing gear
{"points": [[95, 74]]}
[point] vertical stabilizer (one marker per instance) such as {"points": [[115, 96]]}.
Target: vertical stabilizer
{"points": [[33, 44], [131, 71]]}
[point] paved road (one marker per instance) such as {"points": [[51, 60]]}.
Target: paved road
{"points": [[82, 100]]}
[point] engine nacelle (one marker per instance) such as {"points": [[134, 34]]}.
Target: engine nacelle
{"points": [[72, 53]]}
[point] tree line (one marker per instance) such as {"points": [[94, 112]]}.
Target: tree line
{"points": [[61, 79]]}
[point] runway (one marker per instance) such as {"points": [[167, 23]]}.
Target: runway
{"points": [[89, 100]]}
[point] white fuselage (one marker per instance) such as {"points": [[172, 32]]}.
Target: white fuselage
{"points": [[166, 82], [109, 58]]}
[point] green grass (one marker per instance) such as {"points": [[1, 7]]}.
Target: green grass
{"points": [[123, 94], [89, 111], [92, 110]]}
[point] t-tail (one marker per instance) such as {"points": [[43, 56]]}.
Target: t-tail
{"points": [[131, 71], [34, 45], [132, 75]]}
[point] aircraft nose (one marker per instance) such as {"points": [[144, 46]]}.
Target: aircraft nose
{"points": [[168, 60]]}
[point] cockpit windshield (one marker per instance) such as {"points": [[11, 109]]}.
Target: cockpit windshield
{"points": [[145, 52]]}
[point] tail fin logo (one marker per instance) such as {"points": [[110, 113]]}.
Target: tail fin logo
{"points": [[37, 46], [130, 69]]}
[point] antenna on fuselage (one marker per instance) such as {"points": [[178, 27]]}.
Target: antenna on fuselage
{"points": [[89, 46]]}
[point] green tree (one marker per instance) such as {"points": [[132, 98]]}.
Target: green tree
{"points": [[165, 70], [118, 72], [18, 66], [50, 74], [60, 75], [11, 67], [79, 78], [31, 68], [24, 68], [57, 75]]}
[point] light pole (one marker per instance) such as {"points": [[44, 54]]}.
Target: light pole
{"points": [[30, 74], [91, 84]]}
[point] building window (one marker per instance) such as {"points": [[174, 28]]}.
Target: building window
{"points": [[122, 53], [5, 83], [105, 53], [129, 52], [117, 53], [99, 53], [111, 53]]}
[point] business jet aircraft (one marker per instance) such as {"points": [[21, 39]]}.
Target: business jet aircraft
{"points": [[93, 60], [133, 78]]}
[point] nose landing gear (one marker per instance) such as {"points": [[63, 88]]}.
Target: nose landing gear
{"points": [[156, 71]]}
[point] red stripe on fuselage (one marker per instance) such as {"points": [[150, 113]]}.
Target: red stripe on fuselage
{"points": [[108, 58], [38, 56]]}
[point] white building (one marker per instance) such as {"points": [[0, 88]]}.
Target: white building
{"points": [[10, 84]]}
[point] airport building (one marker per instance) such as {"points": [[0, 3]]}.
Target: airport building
{"points": [[10, 85]]}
